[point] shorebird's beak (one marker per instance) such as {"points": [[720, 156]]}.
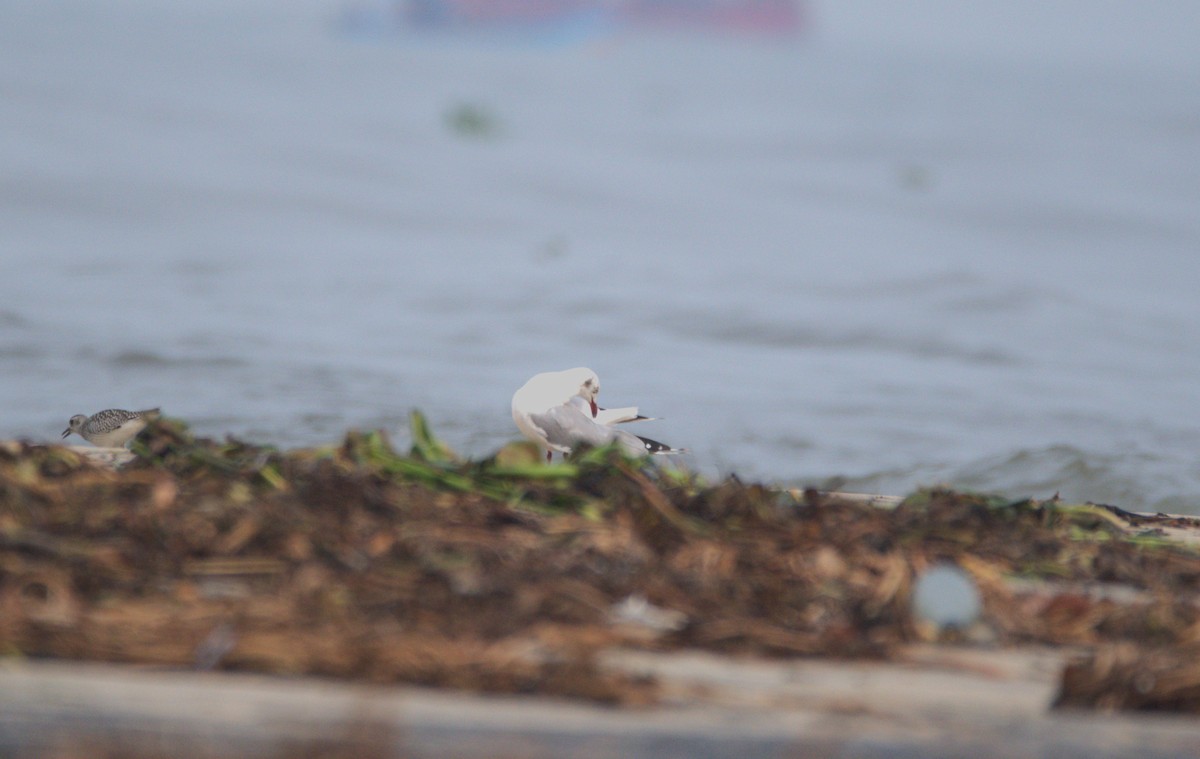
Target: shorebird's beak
{"points": [[595, 408], [66, 432]]}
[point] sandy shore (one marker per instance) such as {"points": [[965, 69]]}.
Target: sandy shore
{"points": [[941, 702]]}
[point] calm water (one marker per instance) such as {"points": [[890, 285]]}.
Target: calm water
{"points": [[828, 259]]}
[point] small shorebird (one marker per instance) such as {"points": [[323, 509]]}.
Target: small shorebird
{"points": [[111, 428], [558, 411]]}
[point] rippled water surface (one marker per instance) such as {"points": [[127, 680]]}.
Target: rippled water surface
{"points": [[816, 260]]}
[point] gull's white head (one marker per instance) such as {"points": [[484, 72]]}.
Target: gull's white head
{"points": [[588, 383]]}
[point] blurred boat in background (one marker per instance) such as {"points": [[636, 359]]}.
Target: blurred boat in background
{"points": [[572, 19], [774, 17]]}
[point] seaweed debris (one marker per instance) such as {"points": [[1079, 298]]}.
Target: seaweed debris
{"points": [[1136, 678], [507, 575]]}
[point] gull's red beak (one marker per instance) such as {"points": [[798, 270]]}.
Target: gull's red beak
{"points": [[595, 408]]}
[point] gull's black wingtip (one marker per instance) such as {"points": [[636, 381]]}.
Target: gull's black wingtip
{"points": [[654, 447]]}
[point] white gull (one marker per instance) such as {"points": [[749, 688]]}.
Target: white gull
{"points": [[558, 412]]}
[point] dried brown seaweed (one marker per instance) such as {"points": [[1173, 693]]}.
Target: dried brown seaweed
{"points": [[361, 562], [1134, 677]]}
